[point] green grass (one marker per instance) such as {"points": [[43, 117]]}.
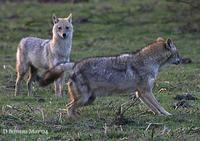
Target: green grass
{"points": [[111, 27]]}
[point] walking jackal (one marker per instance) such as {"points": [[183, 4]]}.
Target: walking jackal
{"points": [[35, 53], [134, 72]]}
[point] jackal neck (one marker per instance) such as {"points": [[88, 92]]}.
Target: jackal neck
{"points": [[60, 47], [155, 53], [57, 41]]}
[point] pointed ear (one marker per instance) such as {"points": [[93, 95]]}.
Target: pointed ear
{"points": [[70, 18], [169, 44], [54, 19], [160, 39]]}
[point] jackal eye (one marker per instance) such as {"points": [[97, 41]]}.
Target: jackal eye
{"points": [[67, 27], [59, 27]]}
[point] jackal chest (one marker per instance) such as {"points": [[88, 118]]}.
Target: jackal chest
{"points": [[60, 54]]}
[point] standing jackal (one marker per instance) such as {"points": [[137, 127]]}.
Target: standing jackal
{"points": [[134, 72], [35, 53]]}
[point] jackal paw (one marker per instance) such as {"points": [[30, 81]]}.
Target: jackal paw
{"points": [[73, 114], [165, 113]]}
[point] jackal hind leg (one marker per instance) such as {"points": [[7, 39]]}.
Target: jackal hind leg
{"points": [[79, 96], [32, 77], [73, 96], [21, 70], [148, 98], [18, 83]]}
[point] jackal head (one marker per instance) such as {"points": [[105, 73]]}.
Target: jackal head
{"points": [[62, 27], [174, 55]]}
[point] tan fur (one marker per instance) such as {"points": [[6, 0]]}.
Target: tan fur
{"points": [[73, 96]]}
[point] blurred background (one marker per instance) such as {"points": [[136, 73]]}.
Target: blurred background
{"points": [[101, 27], [104, 27]]}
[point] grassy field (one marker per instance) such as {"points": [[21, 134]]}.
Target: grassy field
{"points": [[102, 28]]}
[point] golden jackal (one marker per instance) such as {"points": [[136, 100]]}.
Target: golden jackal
{"points": [[35, 53], [134, 72]]}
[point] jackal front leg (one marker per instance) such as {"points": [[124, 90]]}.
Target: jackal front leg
{"points": [[148, 98], [59, 85]]}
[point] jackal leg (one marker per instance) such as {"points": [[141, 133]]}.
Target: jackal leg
{"points": [[59, 85], [148, 98], [18, 83], [73, 96], [21, 71], [79, 96], [32, 77]]}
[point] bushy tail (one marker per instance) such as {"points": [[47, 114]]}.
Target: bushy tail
{"points": [[54, 73]]}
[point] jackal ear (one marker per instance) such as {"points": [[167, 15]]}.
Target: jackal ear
{"points": [[169, 44], [160, 39], [70, 18], [55, 19]]}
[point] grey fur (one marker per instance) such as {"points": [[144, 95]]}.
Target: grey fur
{"points": [[126, 72]]}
